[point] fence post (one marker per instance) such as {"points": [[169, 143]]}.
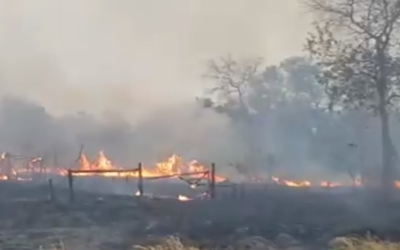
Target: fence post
{"points": [[212, 181], [42, 171], [51, 190], [140, 179], [234, 191], [8, 166], [71, 185]]}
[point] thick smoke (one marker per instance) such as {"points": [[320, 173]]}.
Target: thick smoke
{"points": [[132, 68], [121, 76], [28, 129], [132, 56]]}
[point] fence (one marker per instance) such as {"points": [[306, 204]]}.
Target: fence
{"points": [[209, 175]]}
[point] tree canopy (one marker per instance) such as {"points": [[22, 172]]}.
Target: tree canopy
{"points": [[356, 47]]}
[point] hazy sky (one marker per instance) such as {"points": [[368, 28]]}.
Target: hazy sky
{"points": [[133, 55]]}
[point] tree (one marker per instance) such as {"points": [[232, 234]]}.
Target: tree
{"points": [[257, 98], [356, 47], [232, 80]]}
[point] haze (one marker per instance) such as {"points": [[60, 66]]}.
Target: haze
{"points": [[130, 56], [137, 64]]}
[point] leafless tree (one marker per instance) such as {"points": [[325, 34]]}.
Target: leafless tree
{"points": [[232, 78]]}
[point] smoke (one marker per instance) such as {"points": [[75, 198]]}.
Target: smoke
{"points": [[26, 128], [132, 56], [121, 76]]}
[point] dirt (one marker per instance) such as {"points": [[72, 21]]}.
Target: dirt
{"points": [[29, 220]]}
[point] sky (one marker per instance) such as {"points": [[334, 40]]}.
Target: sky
{"points": [[132, 56]]}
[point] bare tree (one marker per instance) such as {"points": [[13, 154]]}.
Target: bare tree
{"points": [[232, 79], [356, 46]]}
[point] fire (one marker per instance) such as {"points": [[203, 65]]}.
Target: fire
{"points": [[183, 198], [299, 184], [330, 184], [172, 167], [291, 183], [5, 177]]}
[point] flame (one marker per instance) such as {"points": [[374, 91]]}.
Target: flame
{"points": [[291, 183], [172, 167], [299, 184], [183, 198], [330, 184]]}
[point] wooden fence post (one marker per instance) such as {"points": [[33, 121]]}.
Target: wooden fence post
{"points": [[140, 179], [212, 181], [51, 190], [71, 185]]}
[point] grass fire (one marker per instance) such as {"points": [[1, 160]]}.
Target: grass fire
{"points": [[173, 167], [199, 125]]}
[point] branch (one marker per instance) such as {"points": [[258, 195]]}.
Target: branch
{"points": [[346, 11], [391, 97], [390, 20], [350, 15]]}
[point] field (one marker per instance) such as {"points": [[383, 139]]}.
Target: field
{"points": [[263, 218]]}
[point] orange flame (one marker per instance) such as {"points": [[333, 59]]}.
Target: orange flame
{"points": [[173, 167], [183, 198]]}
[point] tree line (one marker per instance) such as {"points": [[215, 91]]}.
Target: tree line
{"points": [[343, 96]]}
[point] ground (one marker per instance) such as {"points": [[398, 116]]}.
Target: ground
{"points": [[265, 218]]}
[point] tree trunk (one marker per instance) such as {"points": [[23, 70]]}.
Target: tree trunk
{"points": [[387, 153], [388, 148]]}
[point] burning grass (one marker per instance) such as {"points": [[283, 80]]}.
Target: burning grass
{"points": [[16, 167]]}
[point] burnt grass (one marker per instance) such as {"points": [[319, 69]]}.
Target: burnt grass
{"points": [[311, 217]]}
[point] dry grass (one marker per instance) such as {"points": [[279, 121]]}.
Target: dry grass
{"points": [[170, 243], [174, 243], [370, 243], [342, 243]]}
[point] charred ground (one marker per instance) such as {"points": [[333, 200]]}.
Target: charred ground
{"points": [[286, 216]]}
